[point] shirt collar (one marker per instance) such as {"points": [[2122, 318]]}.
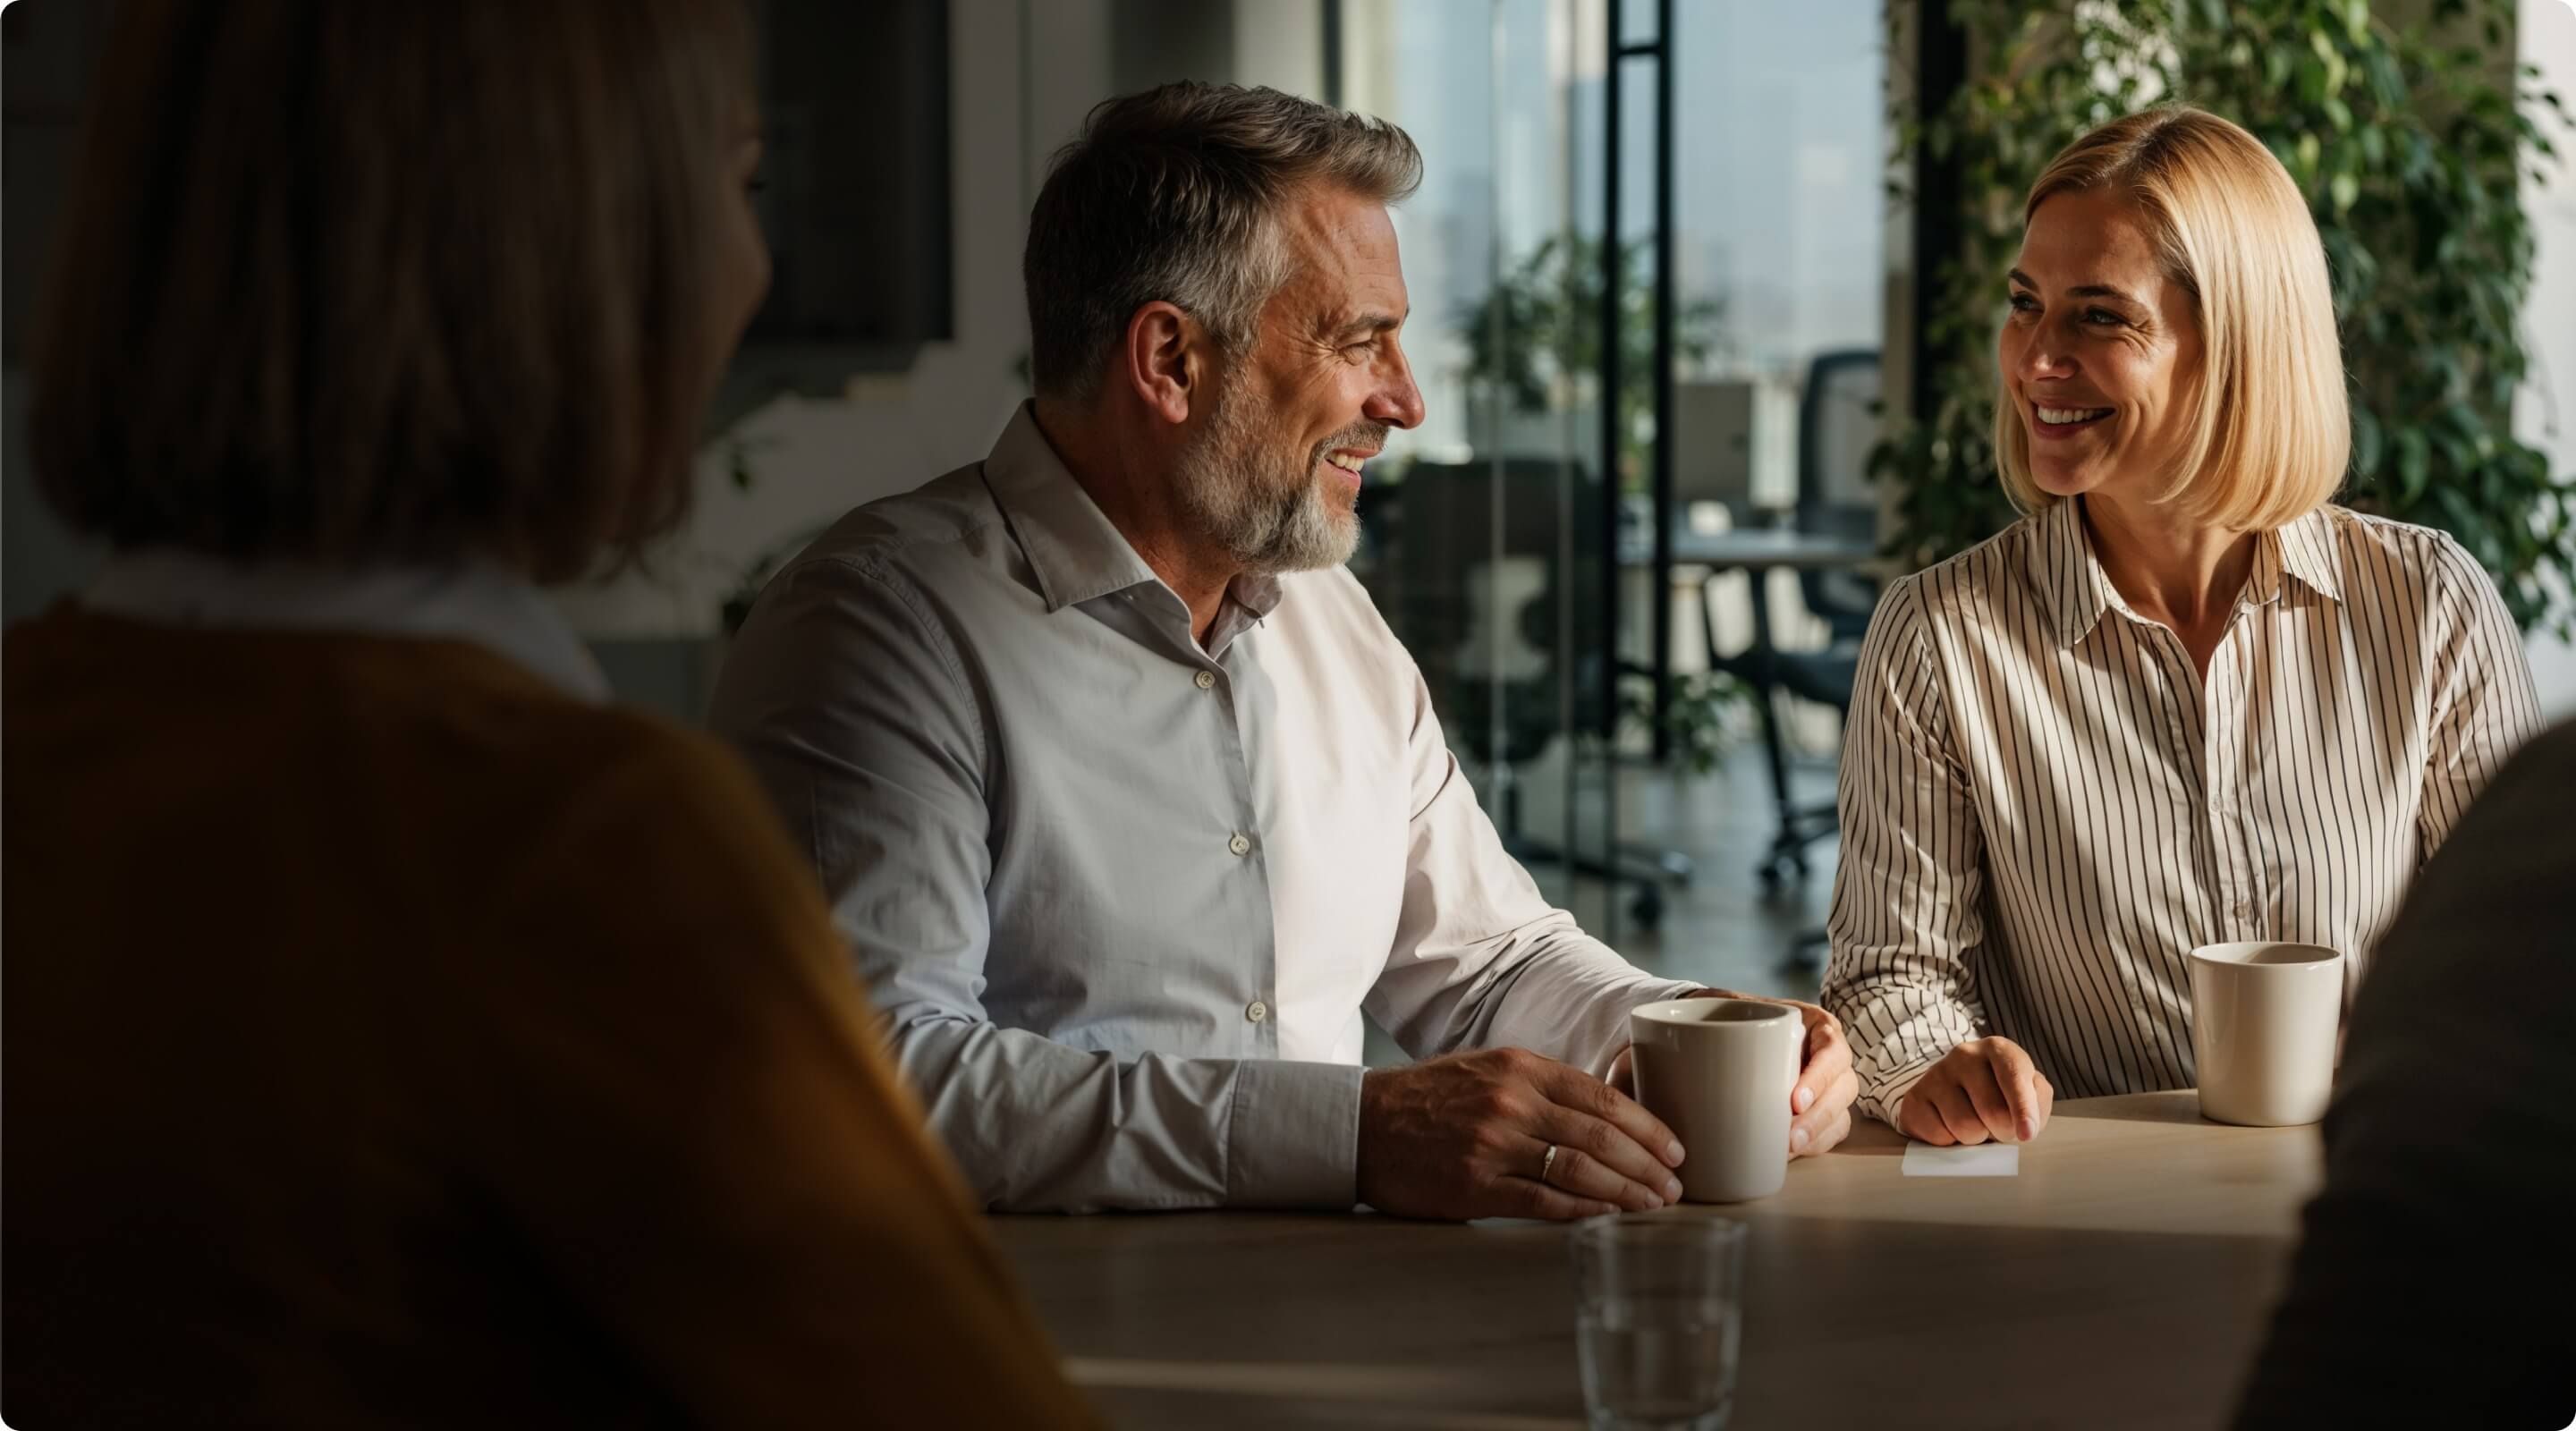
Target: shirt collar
{"points": [[2306, 549], [480, 605], [1076, 552], [2062, 565]]}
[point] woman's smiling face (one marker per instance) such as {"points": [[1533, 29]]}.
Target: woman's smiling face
{"points": [[2101, 352]]}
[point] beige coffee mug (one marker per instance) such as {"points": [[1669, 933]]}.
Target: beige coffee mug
{"points": [[2263, 1022], [1719, 1072]]}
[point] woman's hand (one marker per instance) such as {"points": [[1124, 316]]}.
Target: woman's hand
{"points": [[1986, 1088]]}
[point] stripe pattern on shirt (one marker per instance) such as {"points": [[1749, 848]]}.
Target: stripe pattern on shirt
{"points": [[2044, 809]]}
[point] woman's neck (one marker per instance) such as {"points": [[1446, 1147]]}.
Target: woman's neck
{"points": [[2168, 568]]}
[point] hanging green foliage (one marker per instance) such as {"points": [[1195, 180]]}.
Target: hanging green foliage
{"points": [[1536, 337]]}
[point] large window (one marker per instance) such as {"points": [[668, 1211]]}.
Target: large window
{"points": [[1486, 544], [1491, 537], [1781, 167]]}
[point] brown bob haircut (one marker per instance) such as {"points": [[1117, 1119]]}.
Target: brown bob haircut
{"points": [[366, 282]]}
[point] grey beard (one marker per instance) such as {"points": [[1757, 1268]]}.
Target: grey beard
{"points": [[1268, 526]]}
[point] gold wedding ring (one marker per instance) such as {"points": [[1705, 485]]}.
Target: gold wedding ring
{"points": [[1547, 1164]]}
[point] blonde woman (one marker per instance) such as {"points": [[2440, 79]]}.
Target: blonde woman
{"points": [[398, 1034], [2184, 701]]}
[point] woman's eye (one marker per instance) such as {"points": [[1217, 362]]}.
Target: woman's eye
{"points": [[2024, 303], [2103, 316]]}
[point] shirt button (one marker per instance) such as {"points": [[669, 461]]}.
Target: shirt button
{"points": [[1256, 1011], [1207, 680], [1239, 845]]}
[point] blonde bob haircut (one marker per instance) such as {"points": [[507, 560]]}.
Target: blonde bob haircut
{"points": [[2268, 434]]}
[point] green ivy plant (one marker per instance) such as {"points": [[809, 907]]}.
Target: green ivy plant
{"points": [[1700, 716], [1535, 337], [2409, 141]]}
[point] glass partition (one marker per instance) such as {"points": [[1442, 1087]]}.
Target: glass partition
{"points": [[1510, 544], [1487, 548]]}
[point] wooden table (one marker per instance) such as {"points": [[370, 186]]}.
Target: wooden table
{"points": [[2122, 1279]]}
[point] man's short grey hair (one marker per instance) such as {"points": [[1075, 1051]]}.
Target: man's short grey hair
{"points": [[1173, 195]]}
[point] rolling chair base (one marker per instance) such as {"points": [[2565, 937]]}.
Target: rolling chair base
{"points": [[1807, 953], [1800, 826]]}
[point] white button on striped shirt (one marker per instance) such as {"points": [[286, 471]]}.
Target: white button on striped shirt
{"points": [[2043, 811]]}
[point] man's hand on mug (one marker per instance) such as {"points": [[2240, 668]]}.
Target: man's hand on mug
{"points": [[1820, 1102], [1986, 1089], [1468, 1136]]}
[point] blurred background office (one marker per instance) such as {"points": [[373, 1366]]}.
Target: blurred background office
{"points": [[1679, 268]]}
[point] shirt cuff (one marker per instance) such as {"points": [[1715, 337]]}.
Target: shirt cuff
{"points": [[1293, 1138], [1883, 1097]]}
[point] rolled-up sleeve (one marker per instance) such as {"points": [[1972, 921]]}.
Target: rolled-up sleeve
{"points": [[1905, 912], [853, 708], [1480, 958]]}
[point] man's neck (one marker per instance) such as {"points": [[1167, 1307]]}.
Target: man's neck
{"points": [[1123, 482]]}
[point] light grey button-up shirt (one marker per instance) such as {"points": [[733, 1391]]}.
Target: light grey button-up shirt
{"points": [[1125, 898]]}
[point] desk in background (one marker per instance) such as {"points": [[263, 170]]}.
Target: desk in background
{"points": [[1758, 553]]}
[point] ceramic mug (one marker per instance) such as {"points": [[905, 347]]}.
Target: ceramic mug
{"points": [[1719, 1073], [2263, 1023]]}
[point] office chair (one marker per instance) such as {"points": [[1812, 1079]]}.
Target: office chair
{"points": [[1837, 422], [1439, 579], [1837, 425]]}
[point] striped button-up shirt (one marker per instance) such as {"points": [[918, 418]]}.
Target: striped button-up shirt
{"points": [[2045, 807]]}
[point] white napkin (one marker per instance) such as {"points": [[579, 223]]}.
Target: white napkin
{"points": [[1984, 1160]]}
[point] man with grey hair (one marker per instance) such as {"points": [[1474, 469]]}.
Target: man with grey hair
{"points": [[1129, 803]]}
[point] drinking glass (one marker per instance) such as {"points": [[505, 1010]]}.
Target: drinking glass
{"points": [[1659, 1310]]}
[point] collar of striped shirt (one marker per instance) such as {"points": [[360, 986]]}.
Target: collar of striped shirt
{"points": [[2063, 565]]}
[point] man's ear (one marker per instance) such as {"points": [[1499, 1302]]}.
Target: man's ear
{"points": [[1165, 359]]}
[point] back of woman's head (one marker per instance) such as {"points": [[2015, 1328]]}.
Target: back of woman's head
{"points": [[364, 283]]}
